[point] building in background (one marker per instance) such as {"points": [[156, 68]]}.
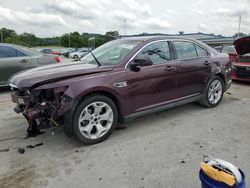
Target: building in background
{"points": [[210, 39]]}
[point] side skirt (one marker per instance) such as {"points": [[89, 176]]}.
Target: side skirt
{"points": [[163, 107]]}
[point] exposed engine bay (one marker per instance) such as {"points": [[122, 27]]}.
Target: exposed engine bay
{"points": [[41, 108]]}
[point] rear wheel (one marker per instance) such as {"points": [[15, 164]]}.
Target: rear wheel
{"points": [[213, 92], [95, 118]]}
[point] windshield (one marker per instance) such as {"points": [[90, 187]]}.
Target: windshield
{"points": [[111, 53]]}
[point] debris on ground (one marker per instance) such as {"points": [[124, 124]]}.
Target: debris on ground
{"points": [[30, 146], [33, 146], [4, 150], [21, 150], [100, 178], [229, 93], [182, 161], [39, 144]]}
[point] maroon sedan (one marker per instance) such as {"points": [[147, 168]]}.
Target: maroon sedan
{"points": [[119, 81]]}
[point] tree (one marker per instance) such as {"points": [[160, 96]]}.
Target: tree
{"points": [[7, 33], [15, 40], [72, 40], [112, 33], [240, 35], [29, 39]]}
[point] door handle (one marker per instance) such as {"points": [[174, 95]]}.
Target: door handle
{"points": [[206, 63], [24, 61], [170, 68]]}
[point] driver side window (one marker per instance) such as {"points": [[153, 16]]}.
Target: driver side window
{"points": [[158, 52]]}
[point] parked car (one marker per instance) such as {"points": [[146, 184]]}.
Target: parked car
{"points": [[240, 57], [241, 65], [66, 54], [49, 51], [15, 58], [79, 53], [68, 50], [119, 81]]}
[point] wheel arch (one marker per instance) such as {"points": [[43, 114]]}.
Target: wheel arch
{"points": [[109, 95]]}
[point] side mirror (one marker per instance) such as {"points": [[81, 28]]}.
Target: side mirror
{"points": [[137, 63]]}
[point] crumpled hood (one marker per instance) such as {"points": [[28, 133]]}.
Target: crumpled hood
{"points": [[242, 45], [54, 72]]}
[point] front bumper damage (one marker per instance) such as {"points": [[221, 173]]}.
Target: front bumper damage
{"points": [[42, 109]]}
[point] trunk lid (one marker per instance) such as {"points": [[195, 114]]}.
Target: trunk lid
{"points": [[242, 45]]}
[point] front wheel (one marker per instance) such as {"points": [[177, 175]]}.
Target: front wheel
{"points": [[95, 118], [213, 93]]}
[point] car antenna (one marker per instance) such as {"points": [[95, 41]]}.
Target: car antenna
{"points": [[99, 64]]}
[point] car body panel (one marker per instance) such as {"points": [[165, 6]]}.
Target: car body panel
{"points": [[45, 74], [157, 86], [240, 59], [194, 75], [11, 65], [242, 45], [151, 86]]}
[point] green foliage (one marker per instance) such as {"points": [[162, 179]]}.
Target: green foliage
{"points": [[112, 33], [7, 33], [29, 39], [74, 39], [15, 40], [240, 35]]}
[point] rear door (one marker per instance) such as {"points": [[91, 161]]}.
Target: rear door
{"points": [[11, 62], [194, 69], [153, 85]]}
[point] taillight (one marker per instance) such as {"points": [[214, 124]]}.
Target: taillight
{"points": [[57, 59]]}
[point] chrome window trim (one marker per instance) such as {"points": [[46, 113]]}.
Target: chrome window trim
{"points": [[171, 40], [162, 40]]}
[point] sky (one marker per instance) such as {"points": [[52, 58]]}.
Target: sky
{"points": [[46, 18]]}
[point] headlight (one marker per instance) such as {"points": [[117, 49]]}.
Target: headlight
{"points": [[12, 86]]}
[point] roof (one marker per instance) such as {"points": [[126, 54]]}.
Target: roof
{"points": [[153, 37]]}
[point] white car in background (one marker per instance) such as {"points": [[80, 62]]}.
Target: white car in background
{"points": [[79, 53]]}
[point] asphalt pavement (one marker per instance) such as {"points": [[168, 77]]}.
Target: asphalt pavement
{"points": [[159, 150]]}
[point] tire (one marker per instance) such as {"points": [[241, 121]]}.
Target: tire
{"points": [[75, 57], [213, 92], [95, 118]]}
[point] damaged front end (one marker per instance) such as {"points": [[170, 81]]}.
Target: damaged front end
{"points": [[42, 108]]}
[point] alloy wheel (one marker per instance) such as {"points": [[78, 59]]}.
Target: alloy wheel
{"points": [[215, 92], [96, 120]]}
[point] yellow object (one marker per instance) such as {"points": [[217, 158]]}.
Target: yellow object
{"points": [[218, 175]]}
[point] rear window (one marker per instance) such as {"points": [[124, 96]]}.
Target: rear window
{"points": [[200, 51], [185, 49]]}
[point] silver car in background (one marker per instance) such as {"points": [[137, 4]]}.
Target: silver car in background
{"points": [[15, 58], [79, 53]]}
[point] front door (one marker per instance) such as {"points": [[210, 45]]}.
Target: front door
{"points": [[155, 85]]}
